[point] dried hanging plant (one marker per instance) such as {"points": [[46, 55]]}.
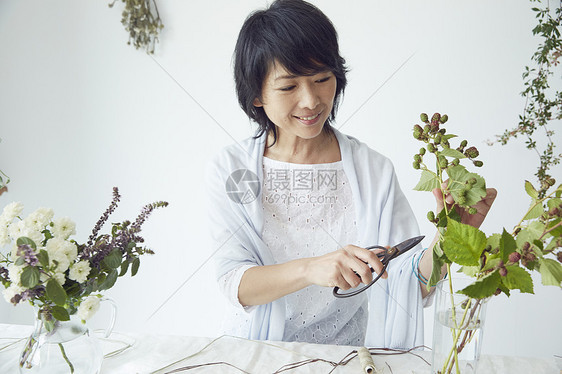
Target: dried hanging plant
{"points": [[142, 22]]}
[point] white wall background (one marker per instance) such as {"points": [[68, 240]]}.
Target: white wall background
{"points": [[81, 112]]}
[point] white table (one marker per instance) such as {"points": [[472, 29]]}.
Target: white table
{"points": [[149, 353]]}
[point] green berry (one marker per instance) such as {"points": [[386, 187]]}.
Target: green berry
{"points": [[444, 118], [431, 148], [464, 143], [424, 117], [422, 151], [426, 129], [416, 165], [417, 158], [438, 138], [478, 163], [455, 162], [442, 162], [472, 210], [431, 216], [436, 117], [471, 152]]}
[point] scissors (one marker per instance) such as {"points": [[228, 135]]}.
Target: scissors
{"points": [[385, 256]]}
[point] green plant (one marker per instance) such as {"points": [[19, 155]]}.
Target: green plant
{"points": [[543, 104], [500, 262], [142, 21]]}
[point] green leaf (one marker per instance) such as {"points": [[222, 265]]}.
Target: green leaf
{"points": [[518, 278], [450, 152], [494, 242], [30, 277], [20, 261], [113, 259], [551, 272], [491, 262], [55, 292], [111, 279], [24, 240], [131, 245], [458, 177], [124, 268], [463, 244], [535, 211], [428, 181], [135, 267], [471, 271], [43, 258], [60, 313], [438, 263], [531, 190], [483, 287], [507, 245], [554, 203]]}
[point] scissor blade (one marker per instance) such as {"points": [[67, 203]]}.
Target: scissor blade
{"points": [[408, 244]]}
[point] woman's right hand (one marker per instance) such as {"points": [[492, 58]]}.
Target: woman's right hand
{"points": [[345, 268]]}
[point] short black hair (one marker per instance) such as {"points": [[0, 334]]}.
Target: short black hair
{"points": [[295, 34]]}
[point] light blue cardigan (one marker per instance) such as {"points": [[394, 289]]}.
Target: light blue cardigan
{"points": [[384, 217]]}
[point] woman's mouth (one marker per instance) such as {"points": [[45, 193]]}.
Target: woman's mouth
{"points": [[309, 120]]}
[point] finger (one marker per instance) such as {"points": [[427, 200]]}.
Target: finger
{"points": [[372, 259]]}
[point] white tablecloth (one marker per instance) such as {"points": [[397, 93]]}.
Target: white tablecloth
{"points": [[149, 353]]}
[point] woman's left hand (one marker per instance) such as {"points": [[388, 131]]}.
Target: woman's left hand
{"points": [[482, 207]]}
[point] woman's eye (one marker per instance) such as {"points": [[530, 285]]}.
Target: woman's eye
{"points": [[288, 88]]}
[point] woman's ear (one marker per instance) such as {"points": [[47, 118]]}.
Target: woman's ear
{"points": [[257, 102]]}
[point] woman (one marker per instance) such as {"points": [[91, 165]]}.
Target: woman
{"points": [[302, 200]]}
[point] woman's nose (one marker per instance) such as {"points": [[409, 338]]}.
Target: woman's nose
{"points": [[309, 97]]}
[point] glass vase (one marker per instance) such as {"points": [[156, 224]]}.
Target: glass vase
{"points": [[457, 328], [68, 348]]}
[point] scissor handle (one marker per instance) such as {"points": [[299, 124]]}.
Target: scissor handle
{"points": [[356, 292], [385, 261]]}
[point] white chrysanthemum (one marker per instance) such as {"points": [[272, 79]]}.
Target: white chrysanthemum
{"points": [[11, 211], [14, 252], [12, 291], [4, 237], [88, 307], [40, 218], [16, 230], [79, 271], [59, 262], [14, 273], [63, 228], [60, 278], [58, 246]]}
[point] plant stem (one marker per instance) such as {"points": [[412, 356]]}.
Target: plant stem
{"points": [[66, 358]]}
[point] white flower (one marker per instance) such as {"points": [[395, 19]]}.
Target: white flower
{"points": [[16, 230], [40, 218], [62, 251], [88, 307], [4, 237], [12, 291], [14, 272], [79, 271], [11, 211], [23, 228], [60, 278], [59, 262], [63, 228]]}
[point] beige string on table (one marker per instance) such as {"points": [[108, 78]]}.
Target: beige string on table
{"points": [[366, 361]]}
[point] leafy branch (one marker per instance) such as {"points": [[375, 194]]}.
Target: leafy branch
{"points": [[543, 104]]}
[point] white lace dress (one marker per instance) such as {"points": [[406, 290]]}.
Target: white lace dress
{"points": [[308, 211]]}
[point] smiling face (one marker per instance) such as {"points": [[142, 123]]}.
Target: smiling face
{"points": [[298, 105]]}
